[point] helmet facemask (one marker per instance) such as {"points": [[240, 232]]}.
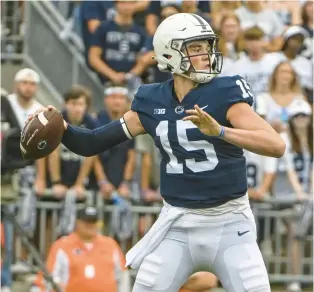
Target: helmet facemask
{"points": [[186, 67]]}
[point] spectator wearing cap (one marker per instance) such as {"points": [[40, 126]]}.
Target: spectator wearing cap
{"points": [[116, 46], [293, 41], [253, 13], [32, 178], [301, 133], [118, 163], [86, 260], [256, 66], [307, 24]]}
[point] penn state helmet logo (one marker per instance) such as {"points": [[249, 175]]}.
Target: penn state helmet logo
{"points": [[42, 145], [179, 109]]}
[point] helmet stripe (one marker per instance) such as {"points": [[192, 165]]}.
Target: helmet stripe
{"points": [[200, 20]]}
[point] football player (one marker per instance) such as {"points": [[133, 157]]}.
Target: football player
{"points": [[201, 124]]}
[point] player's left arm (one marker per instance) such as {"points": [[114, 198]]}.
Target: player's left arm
{"points": [[251, 132]]}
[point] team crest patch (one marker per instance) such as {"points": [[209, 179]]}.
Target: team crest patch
{"points": [[42, 145], [179, 109]]}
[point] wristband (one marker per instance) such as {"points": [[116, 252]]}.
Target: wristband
{"points": [[222, 132]]}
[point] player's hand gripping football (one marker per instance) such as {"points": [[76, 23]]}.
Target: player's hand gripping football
{"points": [[206, 124], [48, 108]]}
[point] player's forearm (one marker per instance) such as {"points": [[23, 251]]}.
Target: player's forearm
{"points": [[262, 142], [87, 142]]}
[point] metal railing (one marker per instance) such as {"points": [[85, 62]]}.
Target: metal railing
{"points": [[277, 258]]}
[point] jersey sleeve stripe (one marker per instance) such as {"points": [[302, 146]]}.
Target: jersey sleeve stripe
{"points": [[125, 129]]}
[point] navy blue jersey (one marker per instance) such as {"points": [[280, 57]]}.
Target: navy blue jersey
{"points": [[120, 45], [99, 10], [196, 170], [71, 162]]}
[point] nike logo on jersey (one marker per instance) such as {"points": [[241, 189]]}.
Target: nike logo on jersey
{"points": [[242, 233]]}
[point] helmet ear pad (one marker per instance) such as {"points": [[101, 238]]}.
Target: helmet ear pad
{"points": [[185, 64]]}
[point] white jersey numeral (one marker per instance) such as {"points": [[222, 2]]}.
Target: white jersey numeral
{"points": [[173, 166], [245, 88]]}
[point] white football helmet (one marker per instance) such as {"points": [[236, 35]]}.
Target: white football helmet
{"points": [[171, 38]]}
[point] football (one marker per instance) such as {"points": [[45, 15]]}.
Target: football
{"points": [[42, 134]]}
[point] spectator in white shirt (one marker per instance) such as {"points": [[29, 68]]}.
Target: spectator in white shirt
{"points": [[256, 66], [284, 88], [254, 13], [301, 132], [293, 42], [231, 39], [288, 11]]}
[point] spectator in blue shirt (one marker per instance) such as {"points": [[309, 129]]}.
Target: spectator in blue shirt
{"points": [[118, 163], [92, 14], [116, 46]]}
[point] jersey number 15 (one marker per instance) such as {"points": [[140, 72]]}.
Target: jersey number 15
{"points": [[174, 166]]}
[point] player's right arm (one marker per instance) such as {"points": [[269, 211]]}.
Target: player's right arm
{"points": [[91, 142], [86, 142]]}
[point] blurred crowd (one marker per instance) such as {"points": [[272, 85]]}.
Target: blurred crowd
{"points": [[268, 43]]}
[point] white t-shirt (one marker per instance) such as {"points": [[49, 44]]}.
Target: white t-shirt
{"points": [[20, 112], [256, 166], [274, 111], [267, 20], [256, 73], [227, 66], [302, 66]]}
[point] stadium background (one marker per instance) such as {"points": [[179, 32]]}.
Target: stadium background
{"points": [[47, 37]]}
